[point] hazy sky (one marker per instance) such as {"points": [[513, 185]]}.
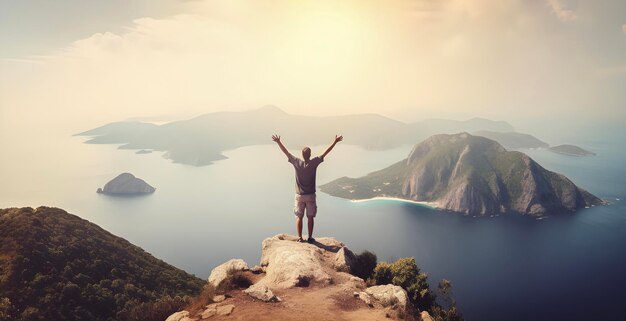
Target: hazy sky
{"points": [[89, 62]]}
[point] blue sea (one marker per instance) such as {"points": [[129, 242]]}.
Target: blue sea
{"points": [[567, 267]]}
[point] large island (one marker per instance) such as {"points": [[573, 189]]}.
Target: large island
{"points": [[201, 140], [469, 174]]}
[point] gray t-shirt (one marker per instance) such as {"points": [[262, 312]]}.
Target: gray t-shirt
{"points": [[305, 174]]}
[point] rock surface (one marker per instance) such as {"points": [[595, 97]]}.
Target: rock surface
{"points": [[219, 298], [425, 316], [311, 283], [178, 316], [220, 273], [389, 295], [344, 259], [210, 311], [261, 292], [289, 264], [126, 184], [225, 309], [472, 175]]}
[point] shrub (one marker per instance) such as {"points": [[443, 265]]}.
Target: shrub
{"points": [[205, 297], [405, 273], [364, 265]]}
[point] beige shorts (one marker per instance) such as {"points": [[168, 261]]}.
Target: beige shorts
{"points": [[305, 202]]}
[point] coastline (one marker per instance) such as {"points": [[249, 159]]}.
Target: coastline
{"points": [[432, 205]]}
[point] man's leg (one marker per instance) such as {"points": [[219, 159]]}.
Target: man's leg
{"points": [[310, 223], [311, 211], [299, 226], [298, 210]]}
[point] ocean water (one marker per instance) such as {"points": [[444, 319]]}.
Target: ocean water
{"points": [[567, 267]]}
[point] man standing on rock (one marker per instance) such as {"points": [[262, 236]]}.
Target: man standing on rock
{"points": [[305, 184]]}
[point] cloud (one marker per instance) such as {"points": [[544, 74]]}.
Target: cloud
{"points": [[562, 13], [427, 58]]}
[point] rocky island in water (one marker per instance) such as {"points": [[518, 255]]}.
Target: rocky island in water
{"points": [[469, 174], [571, 150], [126, 184]]}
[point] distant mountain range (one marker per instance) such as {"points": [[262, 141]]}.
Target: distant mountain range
{"points": [[469, 174], [57, 266], [201, 140]]}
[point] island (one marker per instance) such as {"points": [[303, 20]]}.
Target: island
{"points": [[513, 140], [201, 140], [571, 150], [470, 174], [126, 184]]}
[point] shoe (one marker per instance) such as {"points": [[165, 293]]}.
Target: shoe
{"points": [[300, 240], [310, 240]]}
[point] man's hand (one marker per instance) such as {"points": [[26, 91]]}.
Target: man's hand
{"points": [[338, 138], [276, 138]]}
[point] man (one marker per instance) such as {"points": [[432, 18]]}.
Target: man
{"points": [[305, 184]]}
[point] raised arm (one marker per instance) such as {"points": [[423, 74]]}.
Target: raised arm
{"points": [[276, 138], [337, 139]]}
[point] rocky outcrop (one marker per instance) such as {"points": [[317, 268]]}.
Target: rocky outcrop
{"points": [[344, 260], [388, 295], [222, 272], [472, 175], [126, 184], [299, 281], [261, 292], [289, 264], [179, 316]]}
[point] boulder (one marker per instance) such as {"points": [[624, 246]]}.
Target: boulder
{"points": [[210, 311], [225, 309], [425, 316], [355, 282], [261, 292], [225, 270], [126, 184], [389, 295], [344, 260], [178, 316], [219, 298], [257, 269], [289, 264], [364, 297]]}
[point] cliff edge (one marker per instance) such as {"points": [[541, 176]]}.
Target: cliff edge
{"points": [[297, 281]]}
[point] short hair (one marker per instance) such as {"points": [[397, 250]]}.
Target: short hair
{"points": [[306, 152]]}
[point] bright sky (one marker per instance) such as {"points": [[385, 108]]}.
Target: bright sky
{"points": [[91, 62]]}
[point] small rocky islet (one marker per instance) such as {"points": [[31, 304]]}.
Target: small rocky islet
{"points": [[126, 184]]}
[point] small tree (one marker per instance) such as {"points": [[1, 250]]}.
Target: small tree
{"points": [[405, 273], [446, 311]]}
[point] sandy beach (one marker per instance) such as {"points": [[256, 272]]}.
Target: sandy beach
{"points": [[433, 205]]}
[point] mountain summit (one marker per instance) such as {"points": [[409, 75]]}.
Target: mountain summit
{"points": [[469, 174]]}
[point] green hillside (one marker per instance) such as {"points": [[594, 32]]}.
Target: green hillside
{"points": [[57, 266]]}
